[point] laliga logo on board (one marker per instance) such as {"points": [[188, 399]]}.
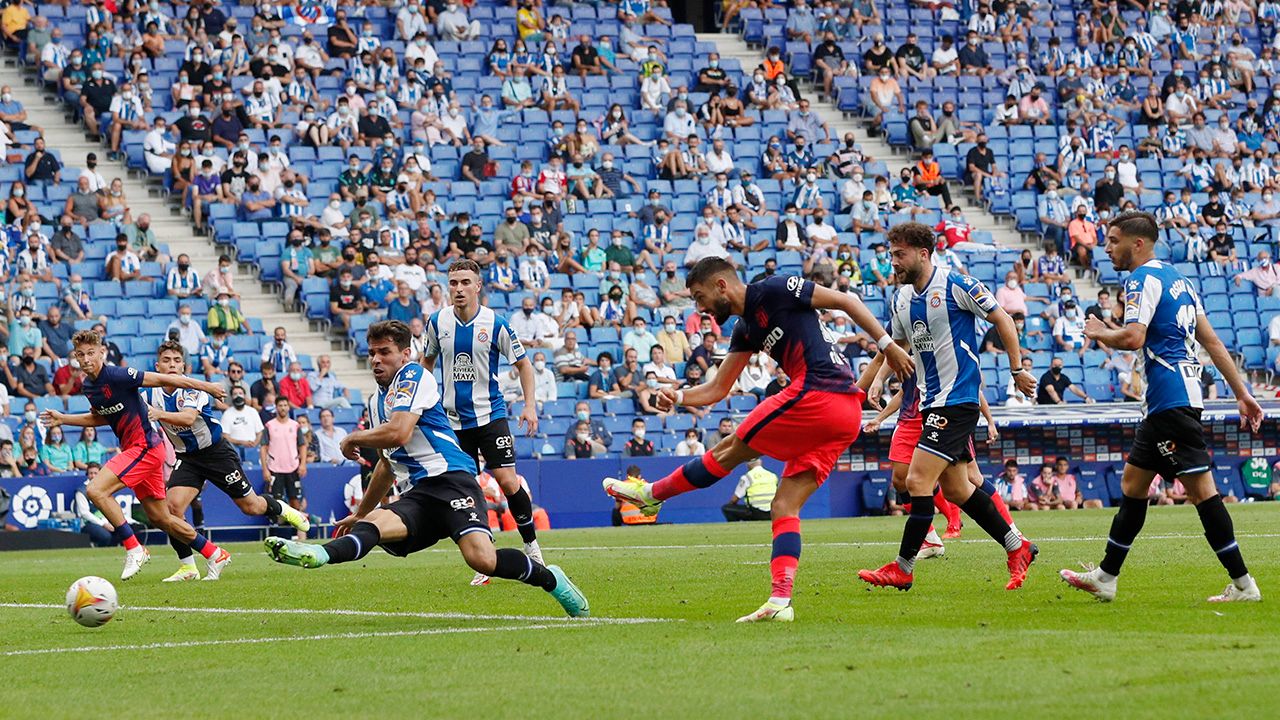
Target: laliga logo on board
{"points": [[31, 505]]}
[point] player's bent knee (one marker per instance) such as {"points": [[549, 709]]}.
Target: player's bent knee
{"points": [[478, 552]]}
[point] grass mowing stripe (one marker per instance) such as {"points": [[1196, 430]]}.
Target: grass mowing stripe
{"points": [[296, 638], [362, 613]]}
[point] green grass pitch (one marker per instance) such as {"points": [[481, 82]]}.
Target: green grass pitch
{"points": [[956, 646]]}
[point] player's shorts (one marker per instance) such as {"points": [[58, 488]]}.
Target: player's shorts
{"points": [[1171, 442], [445, 506], [494, 442], [288, 486], [948, 431], [806, 429], [905, 438], [141, 469], [219, 464]]}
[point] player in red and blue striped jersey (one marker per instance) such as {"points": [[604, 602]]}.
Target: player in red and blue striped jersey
{"points": [[114, 400], [807, 425]]}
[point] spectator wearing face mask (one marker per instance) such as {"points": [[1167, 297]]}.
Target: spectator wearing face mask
{"points": [[1055, 383], [674, 343], [544, 377], [580, 442], [295, 387], [188, 330], [755, 376], [1264, 275], [637, 445]]}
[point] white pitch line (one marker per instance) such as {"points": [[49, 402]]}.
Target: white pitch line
{"points": [[885, 543], [297, 638], [364, 613]]}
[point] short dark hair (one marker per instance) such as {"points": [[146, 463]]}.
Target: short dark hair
{"points": [[465, 265], [912, 234], [706, 269], [1141, 224], [171, 346], [393, 330]]}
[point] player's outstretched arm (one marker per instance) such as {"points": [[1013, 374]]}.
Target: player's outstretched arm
{"points": [[1008, 332], [394, 433], [380, 483], [707, 393], [1132, 336], [828, 299], [889, 409], [182, 382], [1250, 410], [182, 418], [871, 374], [53, 418], [528, 386]]}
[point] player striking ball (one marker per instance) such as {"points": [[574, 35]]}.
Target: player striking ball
{"points": [[935, 312], [114, 400], [807, 425], [201, 454], [1164, 319], [408, 426], [469, 340]]}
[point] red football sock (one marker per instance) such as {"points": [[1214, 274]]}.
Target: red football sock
{"points": [[1002, 507], [786, 555], [947, 508], [203, 546], [697, 473]]}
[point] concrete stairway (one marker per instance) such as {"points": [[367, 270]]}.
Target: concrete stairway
{"points": [[1002, 230], [173, 227]]}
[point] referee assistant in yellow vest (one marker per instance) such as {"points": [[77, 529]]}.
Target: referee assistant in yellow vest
{"points": [[756, 490]]}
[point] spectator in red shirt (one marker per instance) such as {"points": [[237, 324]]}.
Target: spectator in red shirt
{"points": [[67, 381], [295, 387]]}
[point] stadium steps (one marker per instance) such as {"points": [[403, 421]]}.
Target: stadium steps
{"points": [[1002, 231], [172, 226]]}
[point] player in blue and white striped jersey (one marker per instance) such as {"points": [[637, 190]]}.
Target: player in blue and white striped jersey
{"points": [[201, 454], [469, 341], [409, 428], [1163, 319], [935, 311]]}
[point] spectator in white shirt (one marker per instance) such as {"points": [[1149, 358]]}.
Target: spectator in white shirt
{"points": [[703, 246], [544, 380], [535, 329], [157, 148]]}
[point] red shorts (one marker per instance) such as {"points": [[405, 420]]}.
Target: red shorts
{"points": [[141, 469], [905, 438], [806, 429]]}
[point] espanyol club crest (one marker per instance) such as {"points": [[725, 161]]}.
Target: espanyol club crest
{"points": [[935, 299], [482, 336]]}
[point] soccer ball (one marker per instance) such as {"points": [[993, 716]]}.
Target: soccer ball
{"points": [[91, 601]]}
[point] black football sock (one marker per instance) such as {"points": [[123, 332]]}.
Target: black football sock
{"points": [[362, 539], [197, 514], [521, 506], [183, 550], [1125, 527], [984, 512], [514, 565], [1221, 535], [913, 534], [273, 507]]}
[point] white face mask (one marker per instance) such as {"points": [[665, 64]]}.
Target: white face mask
{"points": [[1011, 284], [638, 433], [540, 365]]}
